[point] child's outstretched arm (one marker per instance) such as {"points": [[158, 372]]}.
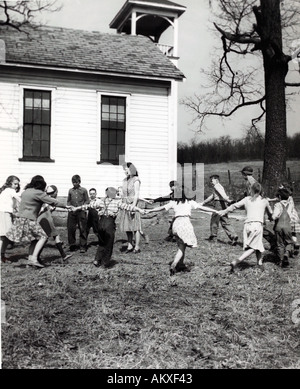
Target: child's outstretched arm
{"points": [[157, 209], [232, 207], [206, 209], [131, 208]]}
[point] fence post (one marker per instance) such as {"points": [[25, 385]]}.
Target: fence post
{"points": [[288, 174], [229, 178], [259, 176]]}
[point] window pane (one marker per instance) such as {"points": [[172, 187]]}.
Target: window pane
{"points": [[105, 100], [112, 152], [44, 149], [113, 109], [121, 137], [121, 117], [121, 126], [37, 116], [45, 134], [28, 116], [27, 148], [105, 124], [28, 102], [120, 150], [46, 99], [104, 152], [121, 106], [27, 132], [113, 124], [113, 101], [113, 137], [46, 117], [37, 100], [36, 148], [104, 137], [36, 134]]}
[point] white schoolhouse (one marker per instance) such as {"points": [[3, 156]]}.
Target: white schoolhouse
{"points": [[81, 102]]}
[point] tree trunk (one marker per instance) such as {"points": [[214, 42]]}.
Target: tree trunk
{"points": [[275, 67]]}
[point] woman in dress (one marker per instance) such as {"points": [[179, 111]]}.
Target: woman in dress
{"points": [[130, 222]]}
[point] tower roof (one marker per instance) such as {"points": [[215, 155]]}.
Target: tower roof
{"points": [[153, 8]]}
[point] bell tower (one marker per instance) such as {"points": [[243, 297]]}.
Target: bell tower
{"points": [[150, 18]]}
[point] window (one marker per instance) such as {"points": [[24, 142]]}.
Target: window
{"points": [[113, 120], [36, 125]]}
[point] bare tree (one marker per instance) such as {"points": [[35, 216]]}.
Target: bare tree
{"points": [[253, 28], [23, 13]]}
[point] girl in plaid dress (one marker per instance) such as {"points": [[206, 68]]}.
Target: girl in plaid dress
{"points": [[26, 228]]}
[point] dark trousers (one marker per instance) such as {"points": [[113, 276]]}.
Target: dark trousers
{"points": [[92, 222], [106, 235], [270, 237], [75, 219], [284, 242], [223, 220]]}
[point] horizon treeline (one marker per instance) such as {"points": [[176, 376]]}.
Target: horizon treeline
{"points": [[226, 149]]}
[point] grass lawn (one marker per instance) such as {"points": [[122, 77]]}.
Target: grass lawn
{"points": [[135, 316]]}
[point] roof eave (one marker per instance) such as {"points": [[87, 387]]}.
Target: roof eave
{"points": [[89, 71]]}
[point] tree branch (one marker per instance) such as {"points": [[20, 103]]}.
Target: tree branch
{"points": [[238, 38], [292, 84]]}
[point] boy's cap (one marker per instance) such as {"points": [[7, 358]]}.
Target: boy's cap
{"points": [[51, 189], [111, 192], [247, 170]]}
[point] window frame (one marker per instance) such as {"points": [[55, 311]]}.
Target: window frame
{"points": [[126, 97], [36, 88]]}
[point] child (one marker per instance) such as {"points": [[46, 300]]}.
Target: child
{"points": [[182, 227], [247, 174], [108, 209], [173, 185], [295, 221], [26, 228], [8, 201], [219, 199], [282, 227], [77, 196], [46, 221], [255, 206], [92, 216]]}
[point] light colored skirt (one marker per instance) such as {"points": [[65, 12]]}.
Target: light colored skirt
{"points": [[183, 228], [6, 220], [24, 231], [253, 236], [129, 221]]}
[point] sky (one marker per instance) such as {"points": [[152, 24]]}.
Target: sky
{"points": [[197, 46]]}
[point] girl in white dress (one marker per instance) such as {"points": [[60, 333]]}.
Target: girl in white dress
{"points": [[255, 206], [182, 227], [9, 199]]}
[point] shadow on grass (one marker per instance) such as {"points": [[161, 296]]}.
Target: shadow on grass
{"points": [[271, 257]]}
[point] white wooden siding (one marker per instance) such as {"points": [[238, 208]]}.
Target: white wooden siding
{"points": [[75, 132]]}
